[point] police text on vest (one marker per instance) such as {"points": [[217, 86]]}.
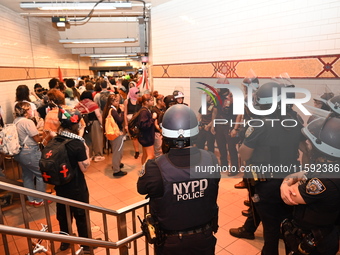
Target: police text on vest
{"points": [[189, 190]]}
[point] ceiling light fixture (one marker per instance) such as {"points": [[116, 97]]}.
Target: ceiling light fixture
{"points": [[115, 40], [74, 6], [109, 55]]}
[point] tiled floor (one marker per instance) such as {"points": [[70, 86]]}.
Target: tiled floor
{"points": [[114, 193]]}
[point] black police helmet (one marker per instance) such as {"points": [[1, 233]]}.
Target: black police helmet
{"points": [[264, 95], [324, 134], [179, 126], [334, 104], [68, 117]]}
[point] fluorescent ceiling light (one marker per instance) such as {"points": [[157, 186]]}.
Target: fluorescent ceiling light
{"points": [[115, 40], [116, 59], [74, 6], [109, 55]]}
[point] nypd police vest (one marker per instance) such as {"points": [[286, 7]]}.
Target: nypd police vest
{"points": [[189, 198]]}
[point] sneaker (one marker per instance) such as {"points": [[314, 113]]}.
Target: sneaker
{"points": [[30, 203], [120, 173], [64, 246], [136, 155], [99, 158], [241, 233], [38, 204], [121, 165]]}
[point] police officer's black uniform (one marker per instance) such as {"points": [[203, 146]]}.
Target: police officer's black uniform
{"points": [[273, 145], [312, 230], [322, 196], [182, 200]]}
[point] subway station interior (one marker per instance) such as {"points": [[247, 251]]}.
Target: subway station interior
{"points": [[172, 44]]}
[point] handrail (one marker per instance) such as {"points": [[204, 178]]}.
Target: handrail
{"points": [[120, 214], [67, 239], [43, 195]]}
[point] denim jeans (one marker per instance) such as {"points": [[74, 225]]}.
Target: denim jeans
{"points": [[29, 161]]}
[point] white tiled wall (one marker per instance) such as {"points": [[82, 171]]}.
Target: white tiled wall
{"points": [[202, 31], [16, 50], [214, 30]]}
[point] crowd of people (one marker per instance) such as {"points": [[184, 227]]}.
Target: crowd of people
{"points": [[174, 139]]}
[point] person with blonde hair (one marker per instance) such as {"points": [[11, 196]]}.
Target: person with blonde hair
{"points": [[30, 153]]}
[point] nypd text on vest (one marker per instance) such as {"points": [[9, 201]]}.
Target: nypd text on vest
{"points": [[189, 190]]}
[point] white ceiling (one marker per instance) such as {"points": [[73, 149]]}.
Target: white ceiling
{"points": [[15, 4], [120, 23]]}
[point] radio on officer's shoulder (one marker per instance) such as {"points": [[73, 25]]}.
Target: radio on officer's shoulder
{"points": [[151, 230]]}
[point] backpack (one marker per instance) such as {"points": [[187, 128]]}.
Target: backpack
{"points": [[103, 96], [9, 139], [54, 164], [88, 123], [133, 125], [111, 128]]}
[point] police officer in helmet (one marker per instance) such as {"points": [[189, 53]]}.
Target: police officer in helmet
{"points": [[273, 145], [182, 193], [316, 192]]}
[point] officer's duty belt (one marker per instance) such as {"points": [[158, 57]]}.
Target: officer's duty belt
{"points": [[188, 232]]}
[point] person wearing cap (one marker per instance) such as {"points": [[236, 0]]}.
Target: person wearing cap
{"points": [[76, 189], [72, 95], [315, 195], [182, 199]]}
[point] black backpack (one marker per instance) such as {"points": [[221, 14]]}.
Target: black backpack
{"points": [[133, 125], [54, 164]]}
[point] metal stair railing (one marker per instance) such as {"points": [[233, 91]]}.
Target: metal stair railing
{"points": [[126, 222]]}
